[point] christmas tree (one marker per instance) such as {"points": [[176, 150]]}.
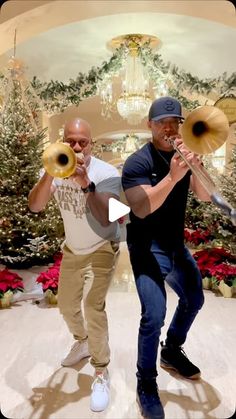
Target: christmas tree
{"points": [[208, 217], [26, 238]]}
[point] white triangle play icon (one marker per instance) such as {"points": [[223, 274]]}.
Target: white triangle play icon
{"points": [[116, 209]]}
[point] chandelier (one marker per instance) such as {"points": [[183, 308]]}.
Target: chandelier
{"points": [[134, 100]]}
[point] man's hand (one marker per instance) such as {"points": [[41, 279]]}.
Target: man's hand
{"points": [[80, 174], [195, 162], [188, 154], [180, 166]]}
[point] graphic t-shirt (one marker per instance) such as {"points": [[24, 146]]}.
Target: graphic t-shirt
{"points": [[148, 166], [80, 236]]}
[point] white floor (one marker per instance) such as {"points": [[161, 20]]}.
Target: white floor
{"points": [[34, 338]]}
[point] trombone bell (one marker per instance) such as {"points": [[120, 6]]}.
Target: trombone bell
{"points": [[59, 160], [205, 129]]}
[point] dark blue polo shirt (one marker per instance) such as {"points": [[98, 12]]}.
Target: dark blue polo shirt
{"points": [[148, 166]]}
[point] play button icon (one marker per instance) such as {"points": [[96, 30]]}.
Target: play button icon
{"points": [[116, 214], [116, 209]]}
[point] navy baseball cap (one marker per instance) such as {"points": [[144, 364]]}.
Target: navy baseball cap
{"points": [[165, 107]]}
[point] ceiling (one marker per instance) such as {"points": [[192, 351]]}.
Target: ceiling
{"points": [[58, 39]]}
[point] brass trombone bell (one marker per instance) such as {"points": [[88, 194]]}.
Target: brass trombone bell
{"points": [[205, 129], [59, 160]]}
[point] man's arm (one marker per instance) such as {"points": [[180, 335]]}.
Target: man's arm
{"points": [[145, 199], [41, 193], [195, 162], [98, 201], [197, 186]]}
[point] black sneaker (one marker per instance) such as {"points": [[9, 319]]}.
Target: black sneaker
{"points": [[148, 400], [174, 358]]}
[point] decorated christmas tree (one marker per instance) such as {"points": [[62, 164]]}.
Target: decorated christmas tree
{"points": [[205, 217], [26, 238]]}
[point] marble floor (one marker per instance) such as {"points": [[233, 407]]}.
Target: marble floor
{"points": [[34, 338]]}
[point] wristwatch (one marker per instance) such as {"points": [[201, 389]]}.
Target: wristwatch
{"points": [[90, 188]]}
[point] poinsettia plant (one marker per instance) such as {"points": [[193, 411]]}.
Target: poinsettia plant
{"points": [[197, 237], [218, 264], [49, 278], [224, 272], [10, 281]]}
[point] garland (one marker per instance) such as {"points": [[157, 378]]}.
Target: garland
{"points": [[183, 80], [57, 96]]}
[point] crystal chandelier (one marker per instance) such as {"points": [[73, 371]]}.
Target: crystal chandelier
{"points": [[134, 101]]}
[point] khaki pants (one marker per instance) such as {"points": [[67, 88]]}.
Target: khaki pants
{"points": [[97, 268]]}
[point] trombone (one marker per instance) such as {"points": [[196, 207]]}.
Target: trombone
{"points": [[205, 130]]}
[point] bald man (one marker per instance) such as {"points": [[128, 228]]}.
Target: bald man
{"points": [[88, 253]]}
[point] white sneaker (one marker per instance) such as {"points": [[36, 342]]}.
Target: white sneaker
{"points": [[100, 396], [79, 350]]}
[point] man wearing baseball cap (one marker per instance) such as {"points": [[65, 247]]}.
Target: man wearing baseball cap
{"points": [[156, 181]]}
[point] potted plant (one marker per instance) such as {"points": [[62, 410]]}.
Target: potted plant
{"points": [[10, 283], [216, 264], [49, 280], [224, 275]]}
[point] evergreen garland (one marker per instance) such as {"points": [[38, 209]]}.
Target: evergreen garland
{"points": [[56, 96]]}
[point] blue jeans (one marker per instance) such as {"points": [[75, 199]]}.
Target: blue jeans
{"points": [[152, 266]]}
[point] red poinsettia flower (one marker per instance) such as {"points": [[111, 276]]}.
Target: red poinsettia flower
{"points": [[57, 259], [10, 281], [3, 287], [49, 278], [197, 236], [224, 272], [216, 262]]}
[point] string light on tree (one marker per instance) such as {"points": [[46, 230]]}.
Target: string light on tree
{"points": [[21, 147]]}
